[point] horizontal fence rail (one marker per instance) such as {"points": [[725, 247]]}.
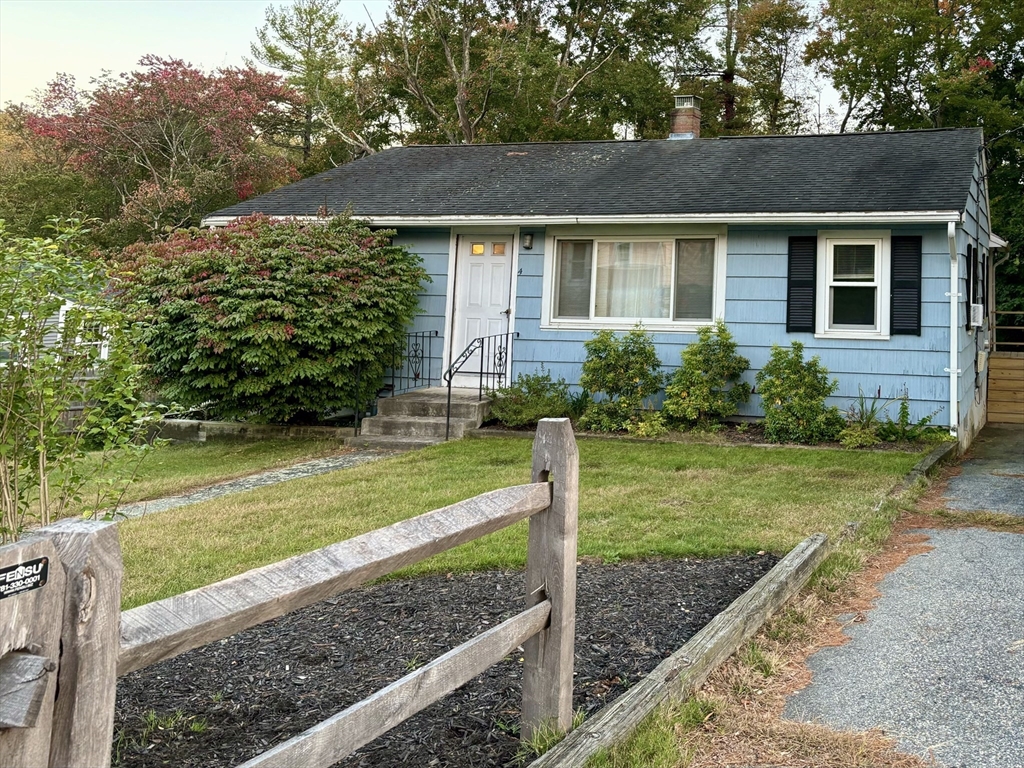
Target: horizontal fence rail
{"points": [[98, 643], [361, 723], [1009, 331], [166, 628]]}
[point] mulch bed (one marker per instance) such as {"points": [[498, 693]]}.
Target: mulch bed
{"points": [[242, 695], [728, 433]]}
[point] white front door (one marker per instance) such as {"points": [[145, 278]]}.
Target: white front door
{"points": [[483, 299]]}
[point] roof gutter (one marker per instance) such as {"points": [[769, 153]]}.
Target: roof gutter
{"points": [[954, 334], [834, 217]]}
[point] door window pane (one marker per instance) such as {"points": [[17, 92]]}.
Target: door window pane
{"points": [[633, 279], [695, 277], [478, 249], [575, 259]]}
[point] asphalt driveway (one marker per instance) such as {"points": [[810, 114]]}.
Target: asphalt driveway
{"points": [[939, 662]]}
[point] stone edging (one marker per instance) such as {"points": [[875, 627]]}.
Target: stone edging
{"points": [[687, 669], [196, 431]]}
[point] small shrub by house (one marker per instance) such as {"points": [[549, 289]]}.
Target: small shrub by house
{"points": [[707, 387], [793, 392], [622, 374]]}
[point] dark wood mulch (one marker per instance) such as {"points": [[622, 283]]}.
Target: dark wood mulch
{"points": [[743, 433], [244, 694]]}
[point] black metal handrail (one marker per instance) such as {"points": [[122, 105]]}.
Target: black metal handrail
{"points": [[411, 365], [493, 368], [414, 366]]}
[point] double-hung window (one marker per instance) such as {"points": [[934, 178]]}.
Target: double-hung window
{"points": [[853, 290], [656, 280]]}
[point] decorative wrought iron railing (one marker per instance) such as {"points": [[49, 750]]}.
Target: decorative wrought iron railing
{"points": [[485, 358], [414, 363], [415, 366]]}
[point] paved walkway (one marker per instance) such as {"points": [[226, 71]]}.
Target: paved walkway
{"points": [[939, 663], [992, 479], [271, 477]]}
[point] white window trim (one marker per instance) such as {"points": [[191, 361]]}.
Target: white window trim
{"points": [[827, 238], [104, 345], [633, 233]]}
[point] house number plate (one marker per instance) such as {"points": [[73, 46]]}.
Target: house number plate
{"points": [[23, 577]]}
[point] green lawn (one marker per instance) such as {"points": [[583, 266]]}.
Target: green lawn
{"points": [[173, 469], [636, 500]]}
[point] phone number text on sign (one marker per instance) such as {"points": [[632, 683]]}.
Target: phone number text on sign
{"points": [[23, 577]]}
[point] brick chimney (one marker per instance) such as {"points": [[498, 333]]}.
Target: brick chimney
{"points": [[686, 118]]}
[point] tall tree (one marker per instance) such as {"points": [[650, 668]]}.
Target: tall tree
{"points": [[514, 70], [174, 141], [926, 64], [771, 36], [307, 42]]}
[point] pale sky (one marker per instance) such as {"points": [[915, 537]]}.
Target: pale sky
{"points": [[39, 38]]}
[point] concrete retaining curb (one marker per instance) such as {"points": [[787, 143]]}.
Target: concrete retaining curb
{"points": [[687, 669], [196, 431]]}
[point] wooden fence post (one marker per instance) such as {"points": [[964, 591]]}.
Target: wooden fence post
{"points": [[31, 606], [551, 574], [83, 717]]}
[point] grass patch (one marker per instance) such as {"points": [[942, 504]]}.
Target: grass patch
{"points": [[653, 744], [170, 470], [636, 500]]}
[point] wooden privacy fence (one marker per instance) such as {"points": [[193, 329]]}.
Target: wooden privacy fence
{"points": [[64, 640]]}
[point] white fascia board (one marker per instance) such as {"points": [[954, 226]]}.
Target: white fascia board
{"points": [[842, 217], [995, 241]]}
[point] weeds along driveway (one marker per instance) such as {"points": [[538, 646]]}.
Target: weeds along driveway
{"points": [[939, 662]]}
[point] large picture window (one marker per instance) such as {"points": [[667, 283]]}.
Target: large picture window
{"points": [[649, 279]]}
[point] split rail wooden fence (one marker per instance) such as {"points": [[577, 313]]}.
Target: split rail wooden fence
{"points": [[64, 640]]}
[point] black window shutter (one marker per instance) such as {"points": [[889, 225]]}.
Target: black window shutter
{"points": [[802, 284], [905, 317]]}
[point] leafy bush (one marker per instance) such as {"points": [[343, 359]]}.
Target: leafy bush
{"points": [[53, 360], [707, 387], [626, 372], [903, 429], [272, 321], [530, 398], [793, 393], [862, 421], [649, 423]]}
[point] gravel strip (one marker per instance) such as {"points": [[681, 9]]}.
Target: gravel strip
{"points": [[271, 682], [939, 663], [271, 477]]}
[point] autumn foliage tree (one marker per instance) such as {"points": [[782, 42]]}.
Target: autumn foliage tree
{"points": [[176, 142]]}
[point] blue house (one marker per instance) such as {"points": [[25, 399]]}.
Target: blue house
{"points": [[872, 249]]}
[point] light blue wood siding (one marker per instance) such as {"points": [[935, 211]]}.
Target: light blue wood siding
{"points": [[432, 246], [975, 232], [756, 313]]}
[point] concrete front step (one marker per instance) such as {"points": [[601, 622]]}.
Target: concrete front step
{"points": [[391, 442], [417, 426], [434, 402]]}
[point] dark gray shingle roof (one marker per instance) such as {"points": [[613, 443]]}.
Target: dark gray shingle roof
{"points": [[904, 171]]}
